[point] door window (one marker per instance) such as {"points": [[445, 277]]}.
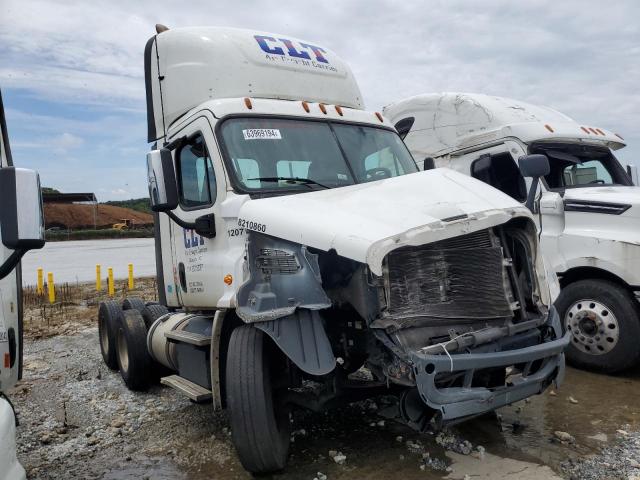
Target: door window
{"points": [[197, 181], [501, 172]]}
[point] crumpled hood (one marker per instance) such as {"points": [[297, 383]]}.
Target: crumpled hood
{"points": [[608, 194], [364, 222]]}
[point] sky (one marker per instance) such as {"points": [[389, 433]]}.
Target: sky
{"points": [[72, 77]]}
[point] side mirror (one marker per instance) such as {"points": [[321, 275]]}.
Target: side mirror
{"points": [[21, 214], [534, 166], [429, 164], [163, 189]]}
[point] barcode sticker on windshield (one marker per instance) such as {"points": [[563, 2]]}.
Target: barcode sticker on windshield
{"points": [[261, 134]]}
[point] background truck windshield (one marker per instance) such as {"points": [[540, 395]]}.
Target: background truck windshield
{"points": [[286, 154], [581, 165]]}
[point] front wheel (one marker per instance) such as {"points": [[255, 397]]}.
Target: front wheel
{"points": [[260, 424], [604, 321]]}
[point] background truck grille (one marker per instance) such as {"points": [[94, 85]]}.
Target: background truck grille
{"points": [[461, 277]]}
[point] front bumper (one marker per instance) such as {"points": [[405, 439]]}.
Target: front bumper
{"points": [[454, 404]]}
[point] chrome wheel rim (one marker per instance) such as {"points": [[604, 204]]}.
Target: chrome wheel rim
{"points": [[123, 352], [593, 326]]}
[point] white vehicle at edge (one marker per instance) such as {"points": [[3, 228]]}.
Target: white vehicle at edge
{"points": [[297, 241], [588, 209], [21, 229]]}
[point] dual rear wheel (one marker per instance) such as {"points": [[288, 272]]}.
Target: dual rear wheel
{"points": [[256, 379], [123, 339]]}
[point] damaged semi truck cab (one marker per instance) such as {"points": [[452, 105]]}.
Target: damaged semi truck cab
{"points": [[297, 243], [587, 207]]}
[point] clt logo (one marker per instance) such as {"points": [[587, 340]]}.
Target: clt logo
{"points": [[191, 238], [272, 46]]}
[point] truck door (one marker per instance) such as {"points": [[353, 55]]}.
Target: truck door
{"points": [[199, 279], [10, 294], [498, 166]]}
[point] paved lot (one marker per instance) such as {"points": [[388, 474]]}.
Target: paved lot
{"points": [[75, 261]]}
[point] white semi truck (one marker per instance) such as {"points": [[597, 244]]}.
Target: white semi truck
{"points": [[296, 242], [587, 209], [21, 229]]}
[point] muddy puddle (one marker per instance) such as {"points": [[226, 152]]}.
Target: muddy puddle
{"points": [[79, 421]]}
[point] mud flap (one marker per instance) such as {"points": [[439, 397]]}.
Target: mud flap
{"points": [[302, 338]]}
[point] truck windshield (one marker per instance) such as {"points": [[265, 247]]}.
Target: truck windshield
{"points": [[581, 166], [274, 154]]}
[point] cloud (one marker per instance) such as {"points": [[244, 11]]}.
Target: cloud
{"points": [[65, 142], [581, 59]]}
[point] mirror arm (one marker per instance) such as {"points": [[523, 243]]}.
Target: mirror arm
{"points": [[531, 196], [180, 222], [204, 225], [10, 263]]}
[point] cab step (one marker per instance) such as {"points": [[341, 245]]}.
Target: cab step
{"points": [[192, 390], [191, 338]]}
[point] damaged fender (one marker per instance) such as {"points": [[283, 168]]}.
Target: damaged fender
{"points": [[282, 297], [302, 338]]}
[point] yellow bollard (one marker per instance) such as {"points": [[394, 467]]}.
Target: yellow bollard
{"points": [[51, 287], [131, 276], [112, 290], [40, 281], [98, 279]]}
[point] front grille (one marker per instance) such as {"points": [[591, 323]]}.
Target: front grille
{"points": [[461, 277], [273, 261]]}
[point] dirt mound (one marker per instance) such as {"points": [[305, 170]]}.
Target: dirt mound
{"points": [[76, 216]]}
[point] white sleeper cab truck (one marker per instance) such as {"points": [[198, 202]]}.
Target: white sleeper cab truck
{"points": [[587, 209], [297, 243], [21, 229]]}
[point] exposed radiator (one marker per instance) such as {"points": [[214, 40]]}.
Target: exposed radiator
{"points": [[462, 277]]}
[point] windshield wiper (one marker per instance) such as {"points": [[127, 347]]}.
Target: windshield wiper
{"points": [[304, 181]]}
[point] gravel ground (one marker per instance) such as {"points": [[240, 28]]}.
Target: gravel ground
{"points": [[79, 421], [618, 461]]}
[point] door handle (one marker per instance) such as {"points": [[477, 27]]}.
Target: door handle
{"points": [[183, 277], [13, 347]]}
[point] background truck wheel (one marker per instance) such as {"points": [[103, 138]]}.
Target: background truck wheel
{"points": [[109, 314], [133, 303], [152, 312], [131, 345], [604, 321], [259, 424]]}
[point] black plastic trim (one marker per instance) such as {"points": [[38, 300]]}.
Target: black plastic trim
{"points": [[152, 135], [588, 206], [5, 134], [162, 294], [20, 320], [404, 126]]}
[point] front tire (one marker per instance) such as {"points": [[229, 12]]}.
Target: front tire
{"points": [[604, 321], [259, 423]]}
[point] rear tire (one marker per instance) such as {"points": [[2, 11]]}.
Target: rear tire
{"points": [[151, 313], [131, 345], [604, 320], [133, 303], [109, 313], [260, 427]]}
